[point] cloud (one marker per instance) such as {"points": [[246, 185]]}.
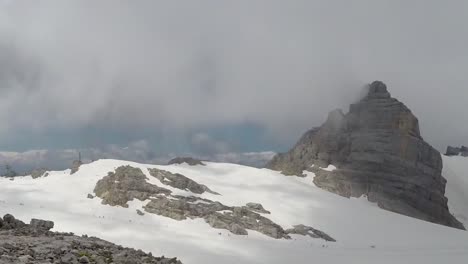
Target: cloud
{"points": [[203, 144], [204, 147], [24, 162], [138, 151], [254, 159], [180, 66]]}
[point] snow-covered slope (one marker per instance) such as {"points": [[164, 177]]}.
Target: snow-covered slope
{"points": [[365, 233], [456, 173]]}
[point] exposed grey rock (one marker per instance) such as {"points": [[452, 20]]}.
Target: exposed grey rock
{"points": [[75, 166], [126, 184], [179, 181], [256, 207], [457, 151], [69, 258], [189, 160], [139, 212], [309, 231], [181, 207], [21, 243], [41, 224], [84, 260], [235, 219], [37, 173], [9, 222], [90, 196], [246, 219], [379, 152], [237, 229], [25, 259]]}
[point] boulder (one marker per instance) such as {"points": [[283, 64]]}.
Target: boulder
{"points": [[41, 224], [10, 222], [379, 152]]}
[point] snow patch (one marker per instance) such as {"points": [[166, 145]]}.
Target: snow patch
{"points": [[365, 233]]}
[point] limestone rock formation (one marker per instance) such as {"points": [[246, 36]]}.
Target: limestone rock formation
{"points": [[37, 173], [379, 152], [457, 151], [179, 181], [189, 160], [309, 231], [76, 166], [35, 244], [41, 224], [125, 184], [256, 207], [128, 183]]}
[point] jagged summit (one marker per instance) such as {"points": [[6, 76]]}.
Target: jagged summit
{"points": [[378, 89], [379, 152]]}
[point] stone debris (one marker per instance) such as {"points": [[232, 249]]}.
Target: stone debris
{"points": [[21, 243]]}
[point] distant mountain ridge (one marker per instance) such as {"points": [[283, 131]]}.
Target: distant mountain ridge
{"points": [[457, 151]]}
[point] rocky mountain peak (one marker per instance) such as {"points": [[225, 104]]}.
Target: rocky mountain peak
{"points": [[378, 89], [379, 153], [378, 110]]}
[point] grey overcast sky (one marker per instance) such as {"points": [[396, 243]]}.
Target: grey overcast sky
{"points": [[214, 76]]}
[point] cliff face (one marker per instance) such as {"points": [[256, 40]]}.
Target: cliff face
{"points": [[379, 152]]}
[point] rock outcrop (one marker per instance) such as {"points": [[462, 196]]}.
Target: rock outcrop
{"points": [[309, 231], [256, 207], [179, 181], [125, 184], [189, 160], [128, 183], [36, 244], [76, 166], [37, 173], [457, 151], [379, 152]]}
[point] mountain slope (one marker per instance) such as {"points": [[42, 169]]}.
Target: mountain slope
{"points": [[456, 173], [364, 232]]}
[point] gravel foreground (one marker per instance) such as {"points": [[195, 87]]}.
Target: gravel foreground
{"points": [[34, 243]]}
